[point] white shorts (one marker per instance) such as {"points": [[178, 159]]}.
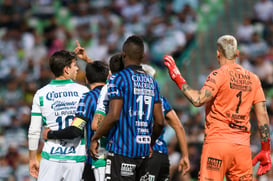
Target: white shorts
{"points": [[60, 171], [99, 173]]}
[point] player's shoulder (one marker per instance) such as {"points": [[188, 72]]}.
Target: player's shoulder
{"points": [[43, 89]]}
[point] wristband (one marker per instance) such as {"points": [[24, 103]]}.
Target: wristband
{"points": [[265, 145]]}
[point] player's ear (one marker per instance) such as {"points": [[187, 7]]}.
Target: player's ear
{"points": [[218, 54], [66, 70], [237, 53]]}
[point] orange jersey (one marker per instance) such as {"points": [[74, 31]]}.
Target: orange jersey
{"points": [[234, 91]]}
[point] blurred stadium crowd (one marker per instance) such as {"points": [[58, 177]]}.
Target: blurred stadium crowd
{"points": [[30, 31]]}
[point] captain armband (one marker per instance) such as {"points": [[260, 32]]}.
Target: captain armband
{"points": [[79, 123]]}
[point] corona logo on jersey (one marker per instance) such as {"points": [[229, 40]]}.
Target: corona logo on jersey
{"points": [[51, 96]]}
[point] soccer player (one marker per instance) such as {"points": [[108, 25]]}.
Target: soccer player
{"points": [[229, 92], [134, 104], [115, 64], [96, 75], [54, 106]]}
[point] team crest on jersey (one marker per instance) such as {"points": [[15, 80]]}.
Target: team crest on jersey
{"points": [[214, 163]]}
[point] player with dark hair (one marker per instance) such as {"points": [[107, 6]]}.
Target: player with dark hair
{"points": [[115, 64], [229, 93], [96, 75], [134, 104], [54, 106]]}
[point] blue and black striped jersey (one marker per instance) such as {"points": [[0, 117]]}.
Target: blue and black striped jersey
{"points": [[131, 136], [160, 144], [86, 110]]}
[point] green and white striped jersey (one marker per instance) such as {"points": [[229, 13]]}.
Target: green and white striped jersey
{"points": [[57, 103]]}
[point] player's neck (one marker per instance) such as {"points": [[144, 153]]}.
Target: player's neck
{"points": [[131, 62], [62, 77], [94, 85], [227, 62]]}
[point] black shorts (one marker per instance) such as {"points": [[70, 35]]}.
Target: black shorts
{"points": [[121, 168], [158, 167], [88, 173]]}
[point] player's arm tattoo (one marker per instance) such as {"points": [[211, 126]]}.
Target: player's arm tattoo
{"points": [[196, 100], [264, 129], [100, 119]]}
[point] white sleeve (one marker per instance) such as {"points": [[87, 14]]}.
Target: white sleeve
{"points": [[103, 101], [34, 130]]}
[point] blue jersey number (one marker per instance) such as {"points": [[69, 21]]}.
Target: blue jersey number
{"points": [[67, 119]]}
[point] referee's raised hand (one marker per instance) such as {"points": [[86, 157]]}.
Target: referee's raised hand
{"points": [[81, 53]]}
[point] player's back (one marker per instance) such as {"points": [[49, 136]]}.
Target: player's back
{"points": [[131, 136], [235, 90], [57, 103]]}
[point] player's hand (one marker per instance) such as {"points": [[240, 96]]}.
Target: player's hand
{"points": [[174, 71], [34, 168], [81, 53], [44, 134], [184, 165], [94, 145], [151, 152], [264, 158]]}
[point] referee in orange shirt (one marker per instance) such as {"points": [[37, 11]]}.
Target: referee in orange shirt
{"points": [[228, 93]]}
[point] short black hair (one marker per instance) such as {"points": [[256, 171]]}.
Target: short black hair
{"points": [[59, 60], [133, 47], [116, 63], [96, 71]]}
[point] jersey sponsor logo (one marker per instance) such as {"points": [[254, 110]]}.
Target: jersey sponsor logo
{"points": [[141, 123], [142, 130], [127, 169], [240, 81], [143, 139], [62, 151], [236, 126], [51, 96], [240, 87], [143, 82], [214, 163], [238, 116], [60, 104], [147, 92]]}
